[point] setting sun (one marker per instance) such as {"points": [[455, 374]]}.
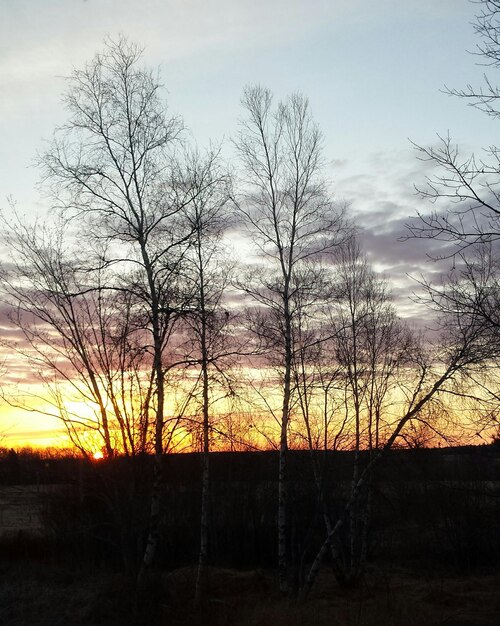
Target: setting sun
{"points": [[97, 456]]}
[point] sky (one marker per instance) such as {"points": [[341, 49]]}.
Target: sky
{"points": [[374, 73]]}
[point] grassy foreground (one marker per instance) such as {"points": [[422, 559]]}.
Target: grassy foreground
{"points": [[34, 593]]}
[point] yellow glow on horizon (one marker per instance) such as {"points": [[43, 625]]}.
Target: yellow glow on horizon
{"points": [[251, 417], [21, 428]]}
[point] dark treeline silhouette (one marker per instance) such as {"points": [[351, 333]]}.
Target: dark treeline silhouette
{"points": [[433, 504]]}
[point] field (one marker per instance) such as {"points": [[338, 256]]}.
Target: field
{"points": [[51, 595], [68, 558]]}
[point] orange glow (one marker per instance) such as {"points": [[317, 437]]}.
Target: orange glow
{"points": [[249, 424]]}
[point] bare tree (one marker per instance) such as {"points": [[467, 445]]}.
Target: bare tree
{"points": [[466, 192], [373, 350], [468, 184], [354, 357], [208, 346], [470, 294], [435, 372], [85, 343], [113, 167], [370, 345], [292, 221]]}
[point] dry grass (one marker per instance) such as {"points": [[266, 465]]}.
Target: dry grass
{"points": [[250, 599], [52, 595], [20, 507]]}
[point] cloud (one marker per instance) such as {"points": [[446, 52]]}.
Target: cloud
{"points": [[42, 39], [36, 38], [380, 189]]}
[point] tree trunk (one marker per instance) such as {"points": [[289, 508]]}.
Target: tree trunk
{"points": [[201, 580]]}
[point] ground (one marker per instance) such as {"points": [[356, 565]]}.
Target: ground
{"points": [[50, 594]]}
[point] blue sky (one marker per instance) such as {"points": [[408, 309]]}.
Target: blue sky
{"points": [[372, 70]]}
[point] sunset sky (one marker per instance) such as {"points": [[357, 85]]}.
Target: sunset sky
{"points": [[373, 71]]}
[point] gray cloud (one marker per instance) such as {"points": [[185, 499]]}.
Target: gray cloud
{"points": [[381, 192]]}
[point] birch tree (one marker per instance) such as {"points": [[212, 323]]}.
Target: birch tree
{"points": [[209, 346], [292, 221], [373, 350], [436, 370], [84, 342], [112, 168]]}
